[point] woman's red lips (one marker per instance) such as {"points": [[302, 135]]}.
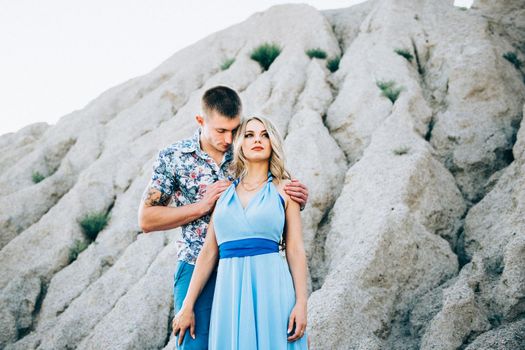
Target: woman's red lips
{"points": [[257, 148]]}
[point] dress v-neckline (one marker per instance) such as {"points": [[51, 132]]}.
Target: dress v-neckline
{"points": [[251, 199]]}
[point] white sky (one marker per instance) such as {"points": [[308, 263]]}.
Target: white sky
{"points": [[58, 55]]}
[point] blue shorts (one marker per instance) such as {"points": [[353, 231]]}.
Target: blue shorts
{"points": [[202, 309]]}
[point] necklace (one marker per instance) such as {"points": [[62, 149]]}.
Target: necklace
{"points": [[254, 188]]}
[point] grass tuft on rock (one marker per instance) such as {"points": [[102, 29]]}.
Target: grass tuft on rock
{"points": [[401, 150], [36, 176], [93, 223], [389, 89], [316, 53], [333, 63], [405, 53], [265, 54], [512, 57], [77, 248], [227, 63]]}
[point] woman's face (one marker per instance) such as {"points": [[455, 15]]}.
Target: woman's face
{"points": [[256, 144]]}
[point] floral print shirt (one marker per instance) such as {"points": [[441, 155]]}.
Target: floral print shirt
{"points": [[183, 170]]}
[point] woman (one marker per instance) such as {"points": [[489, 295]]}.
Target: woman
{"points": [[255, 304]]}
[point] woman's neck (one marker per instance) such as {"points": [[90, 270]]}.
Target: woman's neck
{"points": [[256, 172]]}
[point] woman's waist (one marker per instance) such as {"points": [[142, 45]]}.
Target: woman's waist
{"points": [[247, 247]]}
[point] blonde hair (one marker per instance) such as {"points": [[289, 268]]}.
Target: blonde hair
{"points": [[276, 161]]}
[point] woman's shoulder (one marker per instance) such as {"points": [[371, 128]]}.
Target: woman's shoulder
{"points": [[280, 184]]}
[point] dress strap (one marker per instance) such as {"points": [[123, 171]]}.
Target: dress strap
{"points": [[270, 176]]}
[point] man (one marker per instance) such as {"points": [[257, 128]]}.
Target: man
{"points": [[194, 173]]}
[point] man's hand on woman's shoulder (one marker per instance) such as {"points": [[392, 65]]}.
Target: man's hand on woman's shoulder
{"points": [[212, 193], [297, 191]]}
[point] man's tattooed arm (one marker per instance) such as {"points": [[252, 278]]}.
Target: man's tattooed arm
{"points": [[155, 215], [153, 197]]}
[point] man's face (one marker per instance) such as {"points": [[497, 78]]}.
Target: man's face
{"points": [[218, 131]]}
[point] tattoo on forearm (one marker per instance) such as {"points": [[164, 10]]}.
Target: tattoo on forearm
{"points": [[153, 197]]}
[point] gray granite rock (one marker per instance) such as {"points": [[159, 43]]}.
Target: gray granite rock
{"points": [[414, 228]]}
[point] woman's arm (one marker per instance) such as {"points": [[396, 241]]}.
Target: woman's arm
{"points": [[206, 262], [296, 257]]}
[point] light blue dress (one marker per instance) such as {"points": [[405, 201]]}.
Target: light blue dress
{"points": [[254, 293]]}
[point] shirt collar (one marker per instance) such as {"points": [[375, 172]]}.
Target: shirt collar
{"points": [[228, 155], [192, 144]]}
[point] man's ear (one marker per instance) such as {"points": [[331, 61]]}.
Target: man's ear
{"points": [[199, 119]]}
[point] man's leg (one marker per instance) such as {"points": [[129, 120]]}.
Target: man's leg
{"points": [[202, 308]]}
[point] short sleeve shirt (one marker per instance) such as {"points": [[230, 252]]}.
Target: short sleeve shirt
{"points": [[183, 170]]}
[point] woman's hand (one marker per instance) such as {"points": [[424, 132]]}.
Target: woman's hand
{"points": [[297, 316], [183, 320]]}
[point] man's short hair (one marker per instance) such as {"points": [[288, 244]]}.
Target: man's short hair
{"points": [[223, 100]]}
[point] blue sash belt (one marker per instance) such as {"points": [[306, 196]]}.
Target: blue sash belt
{"points": [[247, 247]]}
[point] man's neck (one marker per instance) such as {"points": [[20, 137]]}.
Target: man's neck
{"points": [[211, 151]]}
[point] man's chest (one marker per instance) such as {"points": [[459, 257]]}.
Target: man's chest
{"points": [[194, 175]]}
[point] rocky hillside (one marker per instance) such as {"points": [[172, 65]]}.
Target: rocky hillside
{"points": [[411, 148]]}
